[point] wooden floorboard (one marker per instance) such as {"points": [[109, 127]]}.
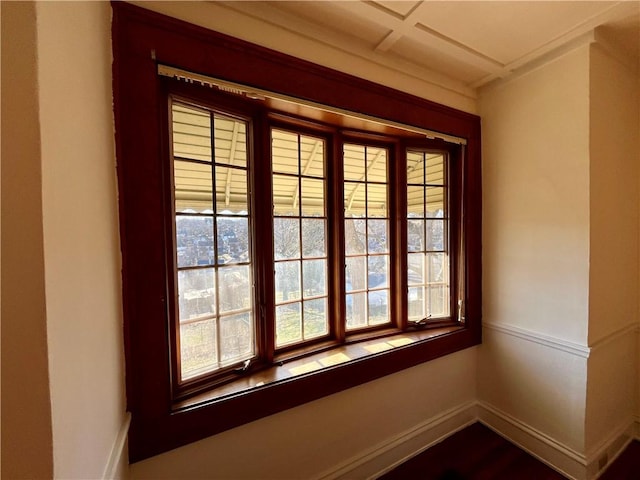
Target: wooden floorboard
{"points": [[478, 453], [626, 466]]}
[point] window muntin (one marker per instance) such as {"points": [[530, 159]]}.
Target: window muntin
{"points": [[213, 231], [366, 236], [299, 204], [428, 216], [213, 263]]}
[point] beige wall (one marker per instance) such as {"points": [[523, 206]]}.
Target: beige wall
{"points": [[614, 146], [63, 399], [613, 279], [560, 172], [536, 200], [81, 243], [532, 364], [26, 410], [306, 441]]}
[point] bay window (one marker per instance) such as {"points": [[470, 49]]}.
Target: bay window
{"points": [[287, 231]]}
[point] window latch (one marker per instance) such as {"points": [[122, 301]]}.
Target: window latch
{"points": [[420, 323], [244, 368]]}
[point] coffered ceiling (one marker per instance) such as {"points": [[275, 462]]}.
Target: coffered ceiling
{"points": [[471, 42]]}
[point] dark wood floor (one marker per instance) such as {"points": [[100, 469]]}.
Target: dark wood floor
{"points": [[477, 453]]}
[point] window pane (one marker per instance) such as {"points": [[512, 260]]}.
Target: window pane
{"points": [[193, 187], [286, 238], [415, 202], [231, 191], [377, 236], [194, 241], [376, 164], [415, 235], [415, 168], [435, 169], [234, 288], [377, 200], [437, 267], [378, 271], [285, 195], [378, 307], [355, 199], [191, 132], [233, 240], [415, 265], [427, 232], [230, 141], [438, 300], [315, 318], [435, 202], [416, 304], [198, 348], [313, 198], [354, 236], [287, 281], [314, 278], [196, 293], [284, 152], [288, 324], [356, 310], [236, 338], [312, 156], [354, 164], [222, 289], [435, 235], [356, 273], [313, 238]]}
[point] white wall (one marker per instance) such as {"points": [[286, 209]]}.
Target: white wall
{"points": [[560, 261], [536, 200], [532, 364], [81, 242], [614, 188], [26, 410], [63, 356], [309, 440]]}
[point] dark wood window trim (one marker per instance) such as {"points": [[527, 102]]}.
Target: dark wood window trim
{"points": [[141, 40]]}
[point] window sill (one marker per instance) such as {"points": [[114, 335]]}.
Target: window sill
{"points": [[290, 385], [309, 365]]}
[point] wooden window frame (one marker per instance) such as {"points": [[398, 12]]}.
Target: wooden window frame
{"points": [[141, 40]]}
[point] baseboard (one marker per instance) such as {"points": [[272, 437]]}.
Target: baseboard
{"points": [[385, 456], [117, 458], [600, 457], [567, 461]]}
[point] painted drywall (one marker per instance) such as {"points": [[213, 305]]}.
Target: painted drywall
{"points": [[536, 200], [306, 441], [81, 243], [540, 386], [613, 278], [611, 388], [536, 247], [26, 410], [252, 28], [614, 147]]}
